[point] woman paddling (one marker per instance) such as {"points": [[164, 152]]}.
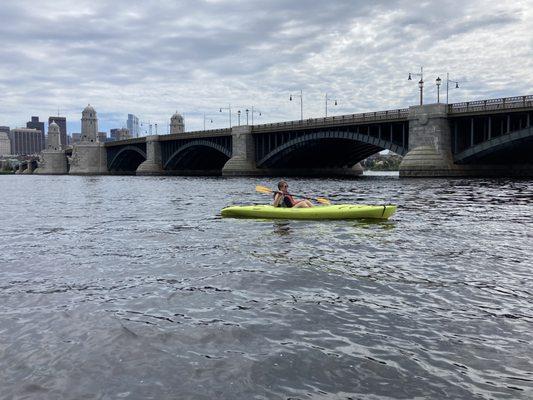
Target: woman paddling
{"points": [[284, 199]]}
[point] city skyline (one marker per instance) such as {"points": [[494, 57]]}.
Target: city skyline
{"points": [[198, 57]]}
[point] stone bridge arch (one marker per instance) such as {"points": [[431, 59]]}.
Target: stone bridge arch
{"points": [[325, 149], [512, 148], [126, 159], [198, 155]]}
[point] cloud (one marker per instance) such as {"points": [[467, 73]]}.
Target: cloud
{"points": [[151, 58]]}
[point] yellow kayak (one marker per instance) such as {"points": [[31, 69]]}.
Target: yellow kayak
{"points": [[345, 211]]}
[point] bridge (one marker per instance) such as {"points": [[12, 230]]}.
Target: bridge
{"points": [[478, 138]]}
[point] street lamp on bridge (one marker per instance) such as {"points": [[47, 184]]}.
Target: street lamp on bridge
{"points": [[448, 84], [328, 99], [207, 118], [239, 117], [229, 112], [301, 96], [420, 83], [438, 81]]}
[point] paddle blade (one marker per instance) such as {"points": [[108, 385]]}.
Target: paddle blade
{"points": [[263, 189], [322, 200]]}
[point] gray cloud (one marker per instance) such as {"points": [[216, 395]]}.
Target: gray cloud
{"points": [[154, 57]]}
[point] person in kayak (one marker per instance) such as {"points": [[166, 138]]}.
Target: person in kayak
{"points": [[284, 199]]}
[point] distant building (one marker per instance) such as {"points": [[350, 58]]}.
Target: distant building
{"points": [[120, 134], [4, 129], [75, 138], [39, 125], [133, 125], [102, 136], [26, 141], [176, 123], [62, 122], [5, 144]]}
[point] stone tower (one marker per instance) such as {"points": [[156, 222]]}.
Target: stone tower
{"points": [[89, 125], [176, 123], [53, 160], [54, 137], [89, 156]]}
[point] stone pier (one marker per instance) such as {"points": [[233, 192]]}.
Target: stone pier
{"points": [[429, 143], [153, 164], [88, 159], [242, 161]]}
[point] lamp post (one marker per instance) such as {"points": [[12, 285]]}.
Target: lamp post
{"points": [[301, 96], [229, 112], [438, 81], [210, 120], [239, 117], [155, 128], [328, 99], [255, 111], [448, 84], [247, 111], [420, 83]]}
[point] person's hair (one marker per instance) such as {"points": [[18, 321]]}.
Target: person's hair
{"points": [[281, 183]]}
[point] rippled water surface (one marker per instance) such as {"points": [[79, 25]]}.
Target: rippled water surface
{"points": [[131, 287]]}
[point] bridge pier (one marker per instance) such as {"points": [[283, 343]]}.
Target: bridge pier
{"points": [[53, 163], [242, 161], [88, 158], [153, 165], [429, 152]]}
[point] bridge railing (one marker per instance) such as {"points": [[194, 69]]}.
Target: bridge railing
{"points": [[505, 103], [347, 119]]}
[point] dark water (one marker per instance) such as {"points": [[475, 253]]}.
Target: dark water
{"points": [[130, 287]]}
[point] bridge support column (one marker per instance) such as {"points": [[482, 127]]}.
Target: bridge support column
{"points": [[429, 143], [88, 158], [242, 161], [153, 164], [53, 163]]}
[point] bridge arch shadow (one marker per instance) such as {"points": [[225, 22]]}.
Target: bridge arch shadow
{"points": [[198, 157], [126, 160], [513, 148], [326, 149]]}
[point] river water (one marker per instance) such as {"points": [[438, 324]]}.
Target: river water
{"points": [[135, 288]]}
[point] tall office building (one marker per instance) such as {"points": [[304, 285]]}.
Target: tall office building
{"points": [[133, 125], [4, 129], [26, 141], [5, 144], [39, 125], [62, 122]]}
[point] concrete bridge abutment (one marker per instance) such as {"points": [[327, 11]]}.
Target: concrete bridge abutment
{"points": [[153, 165], [429, 152]]}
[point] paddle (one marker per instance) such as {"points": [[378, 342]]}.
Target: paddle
{"points": [[265, 190]]}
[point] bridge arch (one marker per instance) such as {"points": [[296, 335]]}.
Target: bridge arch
{"points": [[323, 149], [127, 159], [513, 148], [199, 154]]}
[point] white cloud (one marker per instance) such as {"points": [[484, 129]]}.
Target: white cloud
{"points": [[154, 57]]}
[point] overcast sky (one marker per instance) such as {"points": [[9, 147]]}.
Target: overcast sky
{"points": [[151, 58]]}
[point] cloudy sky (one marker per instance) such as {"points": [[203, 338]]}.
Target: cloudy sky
{"points": [[151, 58]]}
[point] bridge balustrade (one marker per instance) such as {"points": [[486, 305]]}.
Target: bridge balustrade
{"points": [[501, 104]]}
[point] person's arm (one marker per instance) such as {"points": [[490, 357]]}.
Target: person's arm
{"points": [[278, 198]]}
